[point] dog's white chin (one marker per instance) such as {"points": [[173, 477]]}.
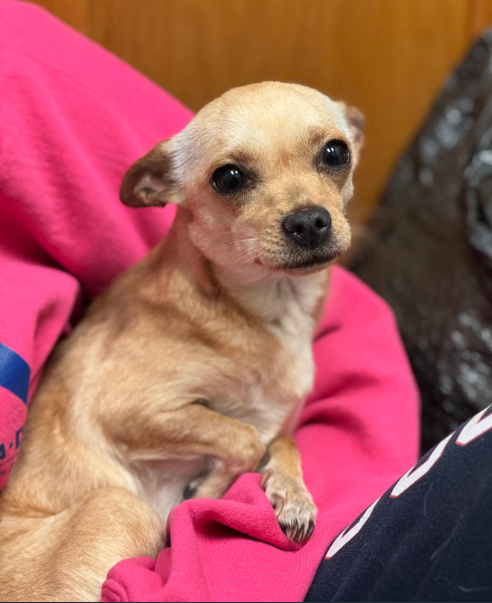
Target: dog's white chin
{"points": [[278, 271], [262, 270]]}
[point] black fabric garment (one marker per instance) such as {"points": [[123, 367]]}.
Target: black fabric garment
{"points": [[428, 538]]}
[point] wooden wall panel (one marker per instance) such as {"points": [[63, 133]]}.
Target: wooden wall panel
{"points": [[481, 16], [73, 12], [388, 57]]}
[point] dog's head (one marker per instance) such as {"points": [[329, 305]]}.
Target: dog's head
{"points": [[266, 172]]}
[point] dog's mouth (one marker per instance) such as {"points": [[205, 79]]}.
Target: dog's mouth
{"points": [[301, 263]]}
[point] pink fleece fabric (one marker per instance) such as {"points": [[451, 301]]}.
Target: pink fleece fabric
{"points": [[72, 119]]}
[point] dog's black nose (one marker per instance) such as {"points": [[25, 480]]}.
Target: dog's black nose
{"points": [[308, 227]]}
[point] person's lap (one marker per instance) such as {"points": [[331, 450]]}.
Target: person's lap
{"points": [[428, 538]]}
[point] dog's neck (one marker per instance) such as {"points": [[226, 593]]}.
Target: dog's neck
{"points": [[276, 299], [279, 300]]}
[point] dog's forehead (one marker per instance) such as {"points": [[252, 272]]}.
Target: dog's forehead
{"points": [[259, 122], [271, 114]]}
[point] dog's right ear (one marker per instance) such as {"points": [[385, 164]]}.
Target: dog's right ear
{"points": [[150, 182], [355, 120]]}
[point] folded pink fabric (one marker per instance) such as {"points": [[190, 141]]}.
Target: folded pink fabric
{"points": [[72, 119]]}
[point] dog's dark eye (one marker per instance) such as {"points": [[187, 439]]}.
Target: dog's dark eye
{"points": [[336, 154], [227, 179]]}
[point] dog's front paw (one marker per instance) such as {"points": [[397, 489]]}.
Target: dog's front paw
{"points": [[294, 507]]}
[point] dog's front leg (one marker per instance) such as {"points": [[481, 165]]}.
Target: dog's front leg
{"points": [[284, 487], [195, 430]]}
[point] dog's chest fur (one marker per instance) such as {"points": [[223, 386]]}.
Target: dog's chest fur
{"points": [[260, 381], [287, 308]]}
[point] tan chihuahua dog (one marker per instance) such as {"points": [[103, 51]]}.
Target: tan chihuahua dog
{"points": [[193, 366]]}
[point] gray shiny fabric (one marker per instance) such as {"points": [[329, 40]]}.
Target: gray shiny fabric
{"points": [[429, 249]]}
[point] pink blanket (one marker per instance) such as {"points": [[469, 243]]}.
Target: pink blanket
{"points": [[72, 119]]}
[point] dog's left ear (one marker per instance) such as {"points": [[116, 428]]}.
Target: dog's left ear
{"points": [[150, 182], [355, 120]]}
